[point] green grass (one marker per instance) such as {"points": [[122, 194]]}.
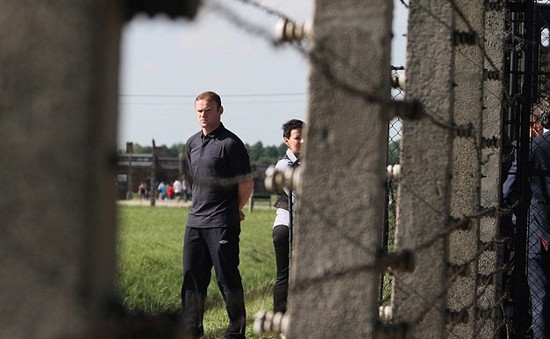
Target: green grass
{"points": [[149, 264]]}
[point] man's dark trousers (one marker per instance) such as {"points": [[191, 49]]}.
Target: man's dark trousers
{"points": [[203, 249]]}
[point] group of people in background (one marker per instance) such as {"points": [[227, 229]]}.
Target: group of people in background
{"points": [[175, 190], [216, 157]]}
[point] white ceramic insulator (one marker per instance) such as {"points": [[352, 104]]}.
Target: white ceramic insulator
{"points": [[285, 323], [287, 30], [394, 172], [276, 179], [385, 312], [401, 78], [258, 322], [268, 181], [269, 322]]}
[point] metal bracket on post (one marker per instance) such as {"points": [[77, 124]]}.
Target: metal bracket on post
{"points": [[390, 331], [456, 317], [411, 110], [402, 261], [398, 81], [461, 270], [172, 8], [489, 142]]}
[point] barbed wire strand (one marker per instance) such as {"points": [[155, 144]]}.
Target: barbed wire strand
{"points": [[352, 89], [430, 305], [471, 29], [325, 65]]}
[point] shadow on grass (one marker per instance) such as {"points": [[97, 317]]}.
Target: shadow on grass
{"points": [[215, 300], [215, 303], [137, 324]]}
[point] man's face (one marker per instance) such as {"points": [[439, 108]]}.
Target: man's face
{"points": [[295, 141], [208, 114]]}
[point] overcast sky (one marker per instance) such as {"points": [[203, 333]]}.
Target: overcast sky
{"points": [[166, 63]]}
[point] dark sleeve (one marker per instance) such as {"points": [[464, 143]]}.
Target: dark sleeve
{"points": [[509, 188], [188, 147]]}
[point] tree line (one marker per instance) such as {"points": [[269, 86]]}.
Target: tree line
{"points": [[258, 153]]}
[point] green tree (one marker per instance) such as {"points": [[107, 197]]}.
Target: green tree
{"points": [[262, 155], [174, 150], [258, 153], [143, 149], [255, 151]]}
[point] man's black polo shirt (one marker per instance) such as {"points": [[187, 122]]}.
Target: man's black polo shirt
{"points": [[211, 159]]}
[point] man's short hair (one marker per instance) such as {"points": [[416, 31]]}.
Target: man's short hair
{"points": [[209, 95], [290, 125]]}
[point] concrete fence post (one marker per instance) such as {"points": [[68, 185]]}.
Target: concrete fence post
{"points": [[490, 291], [58, 121], [467, 35], [449, 196], [58, 113], [419, 298], [333, 287]]}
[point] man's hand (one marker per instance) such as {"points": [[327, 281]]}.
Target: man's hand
{"points": [[241, 215]]}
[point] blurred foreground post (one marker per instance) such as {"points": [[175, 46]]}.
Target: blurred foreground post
{"points": [[58, 121]]}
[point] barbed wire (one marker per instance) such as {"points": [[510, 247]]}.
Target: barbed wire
{"points": [[325, 58], [370, 97], [325, 61], [235, 19], [265, 9], [486, 316], [478, 42], [432, 302]]}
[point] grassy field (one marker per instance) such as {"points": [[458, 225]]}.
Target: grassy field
{"points": [[149, 264]]}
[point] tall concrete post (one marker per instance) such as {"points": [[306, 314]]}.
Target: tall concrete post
{"points": [[333, 285], [58, 114], [419, 298], [467, 31], [491, 297]]}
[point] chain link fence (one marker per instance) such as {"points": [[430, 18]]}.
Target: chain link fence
{"points": [[394, 142], [526, 188]]}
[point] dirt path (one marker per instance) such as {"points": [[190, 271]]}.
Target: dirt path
{"points": [[146, 202]]}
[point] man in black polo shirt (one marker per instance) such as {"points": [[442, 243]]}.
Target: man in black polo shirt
{"points": [[222, 183]]}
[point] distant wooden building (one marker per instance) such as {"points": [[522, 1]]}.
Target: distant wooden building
{"points": [[168, 169], [141, 168]]}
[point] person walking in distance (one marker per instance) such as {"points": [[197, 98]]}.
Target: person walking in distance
{"points": [[292, 137], [177, 189], [185, 188], [220, 168]]}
